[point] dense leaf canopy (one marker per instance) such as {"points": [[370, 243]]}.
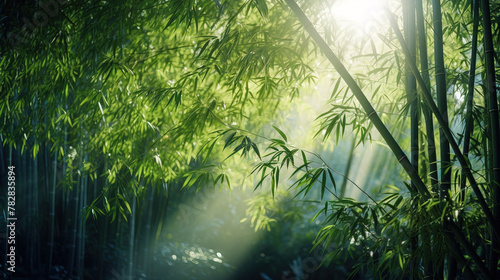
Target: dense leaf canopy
{"points": [[141, 94]]}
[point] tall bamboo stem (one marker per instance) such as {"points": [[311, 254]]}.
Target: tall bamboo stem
{"points": [[52, 210], [348, 168], [411, 90], [81, 231], [132, 239], [442, 103], [147, 230], [36, 235], [409, 19], [429, 125], [469, 121], [494, 127], [76, 209]]}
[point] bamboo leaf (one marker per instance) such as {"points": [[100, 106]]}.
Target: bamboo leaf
{"points": [[262, 8], [229, 139], [323, 184], [332, 179], [281, 133], [256, 150]]}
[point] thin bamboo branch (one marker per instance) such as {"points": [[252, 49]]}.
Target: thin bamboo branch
{"points": [[494, 129], [306, 151]]}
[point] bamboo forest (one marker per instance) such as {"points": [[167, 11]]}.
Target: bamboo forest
{"points": [[249, 139]]}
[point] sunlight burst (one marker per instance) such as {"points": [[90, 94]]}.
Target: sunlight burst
{"points": [[362, 14]]}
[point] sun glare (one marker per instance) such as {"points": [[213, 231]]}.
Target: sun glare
{"points": [[362, 14]]}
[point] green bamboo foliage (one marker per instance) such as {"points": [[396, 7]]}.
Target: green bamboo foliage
{"points": [[374, 118], [444, 126], [464, 163], [494, 129], [360, 96], [240, 61]]}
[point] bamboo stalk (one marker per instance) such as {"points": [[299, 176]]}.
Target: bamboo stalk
{"points": [[76, 203], [147, 230], [409, 20], [424, 67], [81, 231], [103, 238], [469, 121], [29, 185], [411, 90], [429, 125], [348, 168], [470, 250], [132, 239], [52, 211], [494, 127], [36, 235], [442, 103], [459, 256]]}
